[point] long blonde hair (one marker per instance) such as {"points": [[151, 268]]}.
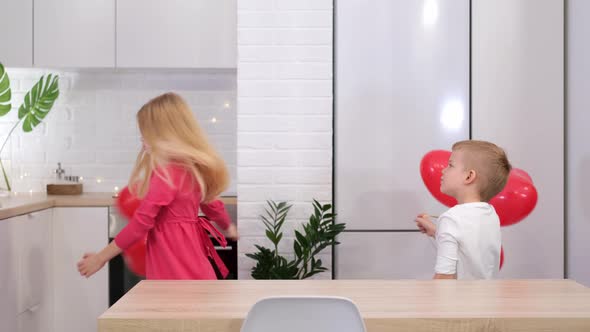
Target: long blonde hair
{"points": [[173, 135]]}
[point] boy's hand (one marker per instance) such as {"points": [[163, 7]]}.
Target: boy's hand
{"points": [[425, 225]]}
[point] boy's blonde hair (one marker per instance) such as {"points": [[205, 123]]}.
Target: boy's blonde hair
{"points": [[490, 163], [171, 131]]}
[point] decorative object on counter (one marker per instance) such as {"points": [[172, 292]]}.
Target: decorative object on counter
{"points": [[65, 184], [319, 233], [64, 189], [36, 105]]}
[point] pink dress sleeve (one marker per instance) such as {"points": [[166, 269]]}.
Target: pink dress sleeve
{"points": [[215, 211], [160, 194]]}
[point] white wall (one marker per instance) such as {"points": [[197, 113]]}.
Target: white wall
{"points": [[517, 103], [92, 129], [578, 148], [284, 115]]}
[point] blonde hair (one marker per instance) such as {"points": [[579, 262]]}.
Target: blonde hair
{"points": [[171, 131], [490, 163]]}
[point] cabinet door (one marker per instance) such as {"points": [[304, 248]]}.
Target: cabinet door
{"points": [[8, 273], [515, 80], [78, 301], [16, 33], [176, 33], [392, 255], [402, 89], [35, 280], [73, 33]]}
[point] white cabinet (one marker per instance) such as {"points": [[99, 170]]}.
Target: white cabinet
{"points": [[385, 255], [176, 33], [78, 301], [35, 276], [26, 304], [127, 34], [8, 273], [394, 106], [73, 33], [40, 287], [402, 89], [16, 33], [516, 79]]}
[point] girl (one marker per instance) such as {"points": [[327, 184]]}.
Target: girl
{"points": [[176, 172]]}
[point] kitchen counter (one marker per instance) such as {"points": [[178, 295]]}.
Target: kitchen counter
{"points": [[23, 203], [386, 305]]}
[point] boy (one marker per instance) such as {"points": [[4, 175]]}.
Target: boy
{"points": [[468, 235]]}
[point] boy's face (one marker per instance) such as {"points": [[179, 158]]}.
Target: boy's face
{"points": [[454, 175]]}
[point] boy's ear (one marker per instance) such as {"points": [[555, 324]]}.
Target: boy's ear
{"points": [[471, 175]]}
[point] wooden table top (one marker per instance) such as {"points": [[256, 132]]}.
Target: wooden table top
{"points": [[432, 305]]}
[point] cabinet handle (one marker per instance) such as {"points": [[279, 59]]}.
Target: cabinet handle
{"points": [[34, 308]]}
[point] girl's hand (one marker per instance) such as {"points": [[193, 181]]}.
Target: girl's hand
{"points": [[232, 232], [90, 264]]}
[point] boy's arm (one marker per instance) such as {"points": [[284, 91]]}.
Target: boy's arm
{"points": [[447, 249]]}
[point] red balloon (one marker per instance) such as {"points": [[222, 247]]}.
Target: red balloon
{"points": [[516, 201], [431, 168], [522, 173], [127, 203], [501, 257], [133, 256]]}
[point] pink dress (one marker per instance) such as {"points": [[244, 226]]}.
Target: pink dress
{"points": [[178, 245]]}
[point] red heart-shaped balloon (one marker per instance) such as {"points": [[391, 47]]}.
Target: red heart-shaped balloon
{"points": [[431, 168], [134, 256], [127, 203], [522, 174], [516, 201]]}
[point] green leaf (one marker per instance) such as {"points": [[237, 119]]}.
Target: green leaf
{"points": [[301, 238], [279, 238], [38, 102], [5, 93], [271, 236], [326, 207], [267, 223], [297, 249], [319, 263], [317, 211]]}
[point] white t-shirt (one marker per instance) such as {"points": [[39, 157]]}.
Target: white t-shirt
{"points": [[468, 241]]}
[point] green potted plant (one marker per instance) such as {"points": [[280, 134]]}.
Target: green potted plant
{"points": [[36, 105], [318, 233]]}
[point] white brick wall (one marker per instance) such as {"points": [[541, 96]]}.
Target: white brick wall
{"points": [[92, 131], [284, 115]]}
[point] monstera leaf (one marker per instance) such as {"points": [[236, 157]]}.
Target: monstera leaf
{"points": [[38, 102], [5, 95]]}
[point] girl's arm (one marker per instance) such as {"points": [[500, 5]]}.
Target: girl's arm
{"points": [[92, 262], [216, 211], [160, 194]]}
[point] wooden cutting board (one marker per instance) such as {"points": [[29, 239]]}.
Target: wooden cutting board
{"points": [[64, 189]]}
